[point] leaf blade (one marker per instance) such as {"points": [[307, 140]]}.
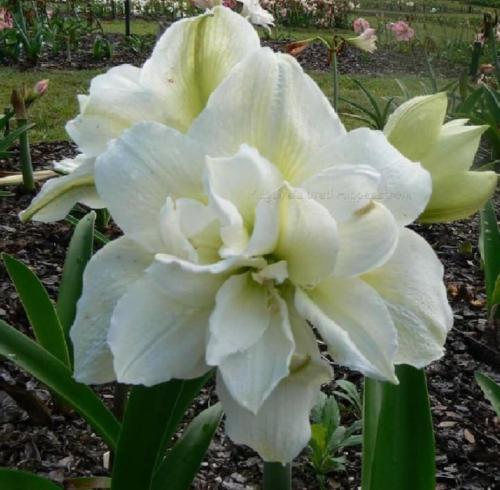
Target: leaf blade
{"points": [[30, 356], [39, 308], [144, 440], [490, 389], [180, 466], [397, 457], [22, 480], [79, 253]]}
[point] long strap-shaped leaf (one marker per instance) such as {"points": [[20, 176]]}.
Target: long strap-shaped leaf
{"points": [[79, 253], [490, 250], [490, 389], [398, 438], [52, 372], [21, 480], [180, 466], [39, 308], [151, 416]]}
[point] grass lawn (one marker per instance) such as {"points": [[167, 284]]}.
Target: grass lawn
{"points": [[57, 106], [60, 103]]}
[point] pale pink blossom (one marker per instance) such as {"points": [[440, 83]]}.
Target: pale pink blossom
{"points": [[6, 21], [41, 87], [402, 31], [360, 25]]}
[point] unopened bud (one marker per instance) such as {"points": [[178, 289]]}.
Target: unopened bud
{"points": [[17, 99], [41, 87]]}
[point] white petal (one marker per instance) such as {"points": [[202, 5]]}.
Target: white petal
{"points": [[139, 170], [109, 274], [265, 234], [308, 237], [251, 375], [174, 239], [240, 318], [191, 230], [243, 179], [159, 327], [411, 284], [415, 125], [115, 103], [405, 187], [193, 57], [454, 150], [268, 103], [58, 195], [343, 189], [281, 428], [355, 323], [366, 241]]}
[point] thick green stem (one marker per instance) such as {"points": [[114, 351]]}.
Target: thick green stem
{"points": [[335, 76], [277, 476], [25, 156]]}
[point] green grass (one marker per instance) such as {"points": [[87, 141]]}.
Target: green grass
{"points": [[59, 104], [137, 26]]}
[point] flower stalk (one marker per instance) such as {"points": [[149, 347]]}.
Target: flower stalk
{"points": [[335, 76], [277, 476], [25, 157]]}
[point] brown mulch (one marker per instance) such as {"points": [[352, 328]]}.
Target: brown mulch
{"points": [[467, 432], [384, 61]]}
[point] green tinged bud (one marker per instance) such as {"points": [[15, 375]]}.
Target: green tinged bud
{"points": [[447, 152]]}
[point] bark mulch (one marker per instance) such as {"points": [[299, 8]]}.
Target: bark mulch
{"points": [[467, 432], [384, 61]]}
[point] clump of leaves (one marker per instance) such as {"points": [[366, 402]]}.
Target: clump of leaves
{"points": [[329, 438]]}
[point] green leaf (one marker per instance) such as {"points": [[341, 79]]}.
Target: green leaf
{"points": [[39, 309], [21, 480], [490, 250], [181, 464], [151, 417], [398, 439], [52, 372], [8, 141], [79, 252], [490, 389]]}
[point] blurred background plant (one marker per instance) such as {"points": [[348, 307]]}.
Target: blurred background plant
{"points": [[329, 437]]}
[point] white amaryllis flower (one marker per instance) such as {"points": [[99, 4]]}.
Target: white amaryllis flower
{"points": [[265, 220], [253, 11], [189, 61], [366, 41], [447, 151]]}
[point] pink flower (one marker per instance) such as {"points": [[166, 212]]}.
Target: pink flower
{"points": [[402, 31], [231, 4], [6, 21], [41, 87], [360, 25]]}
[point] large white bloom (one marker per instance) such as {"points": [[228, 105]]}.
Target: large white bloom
{"points": [[190, 60], [265, 219]]}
